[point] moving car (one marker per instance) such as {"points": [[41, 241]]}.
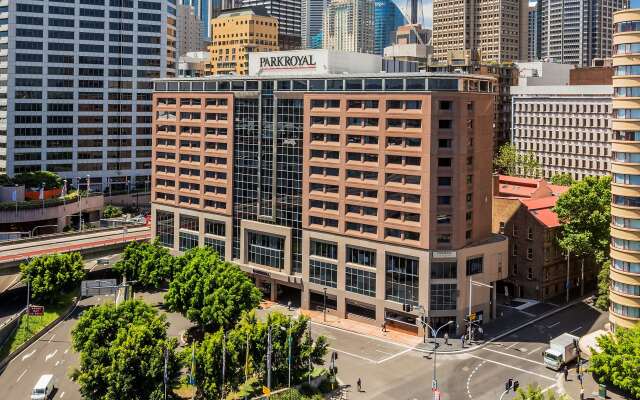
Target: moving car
{"points": [[43, 388]]}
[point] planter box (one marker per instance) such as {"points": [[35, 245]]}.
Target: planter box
{"points": [[48, 194]]}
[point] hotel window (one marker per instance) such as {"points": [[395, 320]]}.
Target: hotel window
{"points": [[216, 244], [443, 296], [323, 249], [401, 279], [165, 228], [323, 273], [187, 241], [216, 228], [359, 281], [266, 250], [189, 223], [361, 256], [475, 265], [529, 253], [444, 270]]}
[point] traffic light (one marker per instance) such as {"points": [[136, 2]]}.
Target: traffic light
{"points": [[516, 385], [508, 385]]}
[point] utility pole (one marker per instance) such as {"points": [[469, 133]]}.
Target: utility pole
{"points": [[434, 332]]}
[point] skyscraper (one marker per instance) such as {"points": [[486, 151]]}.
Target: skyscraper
{"points": [[190, 35], [348, 25], [468, 31], [78, 87], [206, 10], [287, 12], [311, 22], [534, 32], [577, 31], [388, 18], [624, 290]]}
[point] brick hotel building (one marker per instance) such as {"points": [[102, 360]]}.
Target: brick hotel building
{"points": [[371, 189]]}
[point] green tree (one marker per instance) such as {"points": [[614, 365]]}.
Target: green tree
{"points": [[506, 162], [563, 179], [52, 274], [585, 213], [246, 351], [536, 393], [618, 361], [122, 352], [529, 165], [148, 263], [36, 179], [602, 300], [209, 291], [112, 211]]}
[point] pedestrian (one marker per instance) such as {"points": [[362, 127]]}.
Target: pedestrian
{"points": [[289, 305], [580, 378], [384, 326], [359, 385], [462, 340], [446, 338], [581, 393], [566, 373]]}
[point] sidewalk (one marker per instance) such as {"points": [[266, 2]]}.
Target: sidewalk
{"points": [[572, 386]]}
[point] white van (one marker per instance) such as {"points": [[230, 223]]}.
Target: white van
{"points": [[43, 388]]}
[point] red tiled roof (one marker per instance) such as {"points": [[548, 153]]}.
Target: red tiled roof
{"points": [[514, 186], [542, 210], [518, 180]]}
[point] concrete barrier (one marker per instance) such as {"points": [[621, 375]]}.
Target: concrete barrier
{"points": [[9, 326], [34, 338]]}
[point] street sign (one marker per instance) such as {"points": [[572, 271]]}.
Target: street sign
{"points": [[98, 287], [266, 391], [472, 317], [36, 310]]}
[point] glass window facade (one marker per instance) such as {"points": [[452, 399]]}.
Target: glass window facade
{"points": [[359, 281], [323, 273], [626, 311], [256, 165], [443, 296], [323, 249], [165, 228], [216, 244], [444, 270], [356, 255], [633, 290], [266, 250], [187, 241], [401, 283], [474, 265]]}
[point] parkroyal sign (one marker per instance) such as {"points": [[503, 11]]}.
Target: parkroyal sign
{"points": [[287, 62]]}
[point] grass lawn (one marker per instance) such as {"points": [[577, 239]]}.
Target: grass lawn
{"points": [[36, 324]]}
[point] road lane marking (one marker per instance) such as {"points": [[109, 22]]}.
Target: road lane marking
{"points": [[394, 356], [21, 375], [534, 350], [470, 376], [362, 335], [66, 350], [512, 367], [511, 345], [384, 352], [514, 356], [51, 338], [62, 395], [577, 329], [552, 325], [24, 357], [50, 355], [354, 355], [57, 363]]}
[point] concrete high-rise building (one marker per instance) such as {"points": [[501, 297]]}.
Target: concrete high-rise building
{"points": [[412, 43], [387, 19], [206, 10], [189, 31], [380, 198], [237, 33], [287, 12], [348, 25], [77, 82], [479, 31], [534, 32], [624, 292], [577, 31], [311, 15]]}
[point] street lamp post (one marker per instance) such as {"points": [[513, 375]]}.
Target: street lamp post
{"points": [[310, 349], [434, 332], [289, 342], [471, 283], [324, 310]]}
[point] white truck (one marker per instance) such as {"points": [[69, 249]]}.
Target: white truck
{"points": [[561, 351], [43, 389]]}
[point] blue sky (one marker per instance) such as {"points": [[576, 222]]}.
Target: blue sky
{"points": [[427, 10]]}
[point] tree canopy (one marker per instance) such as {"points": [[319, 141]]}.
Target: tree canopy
{"points": [[536, 393], [52, 274], [209, 291], [618, 361], [122, 352], [111, 211], [509, 161], [148, 263], [585, 212], [563, 179], [246, 352], [35, 179]]}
